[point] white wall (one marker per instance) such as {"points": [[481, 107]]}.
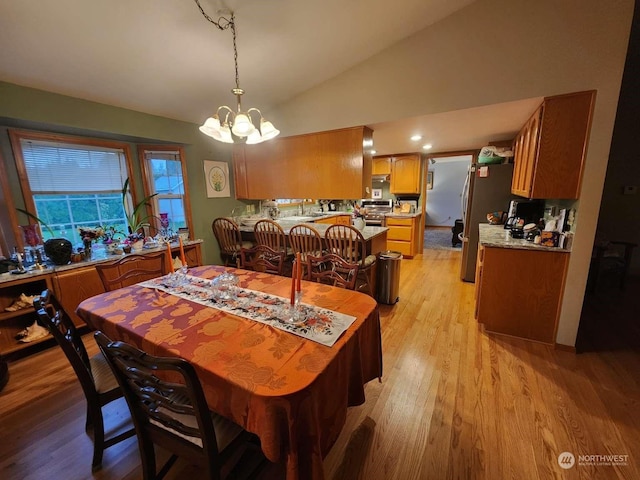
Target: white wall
{"points": [[492, 51], [443, 202]]}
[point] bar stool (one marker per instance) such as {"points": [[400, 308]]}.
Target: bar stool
{"points": [[305, 240], [229, 239], [347, 242], [271, 234]]}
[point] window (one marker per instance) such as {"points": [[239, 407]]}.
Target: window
{"points": [[165, 175], [71, 182]]}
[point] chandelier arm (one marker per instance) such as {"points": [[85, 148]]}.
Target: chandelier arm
{"points": [[223, 23]]}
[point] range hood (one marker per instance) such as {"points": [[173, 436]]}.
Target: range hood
{"points": [[379, 178]]}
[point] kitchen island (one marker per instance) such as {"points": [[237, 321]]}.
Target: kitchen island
{"points": [[519, 285]]}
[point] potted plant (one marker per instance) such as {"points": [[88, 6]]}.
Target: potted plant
{"points": [[135, 221], [58, 250]]}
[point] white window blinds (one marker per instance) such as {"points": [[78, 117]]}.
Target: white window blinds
{"points": [[58, 167]]}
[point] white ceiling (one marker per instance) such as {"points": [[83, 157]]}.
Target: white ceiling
{"points": [[162, 57]]}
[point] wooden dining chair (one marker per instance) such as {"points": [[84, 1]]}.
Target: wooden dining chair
{"points": [[270, 233], [229, 240], [262, 258], [331, 269], [305, 240], [172, 414], [131, 269], [99, 385], [347, 242]]}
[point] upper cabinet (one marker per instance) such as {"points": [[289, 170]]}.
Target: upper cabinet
{"points": [[405, 174], [549, 151], [381, 166], [332, 164]]}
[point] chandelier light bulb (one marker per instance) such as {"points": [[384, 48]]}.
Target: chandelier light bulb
{"points": [[242, 126]]}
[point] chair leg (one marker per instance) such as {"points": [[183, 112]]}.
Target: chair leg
{"points": [[94, 417]]}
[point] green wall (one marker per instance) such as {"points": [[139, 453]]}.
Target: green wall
{"points": [[28, 108]]}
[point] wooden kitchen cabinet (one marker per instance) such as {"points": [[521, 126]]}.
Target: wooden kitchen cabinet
{"points": [[381, 166], [13, 322], [518, 291], [403, 235], [550, 149], [405, 174], [337, 219], [332, 164]]}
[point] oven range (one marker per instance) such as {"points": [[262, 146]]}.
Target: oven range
{"points": [[376, 211]]}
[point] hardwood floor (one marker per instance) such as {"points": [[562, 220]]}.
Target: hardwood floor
{"points": [[454, 403]]}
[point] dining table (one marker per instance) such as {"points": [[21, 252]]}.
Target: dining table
{"points": [[291, 391]]}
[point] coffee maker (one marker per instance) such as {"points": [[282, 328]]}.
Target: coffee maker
{"points": [[522, 212]]}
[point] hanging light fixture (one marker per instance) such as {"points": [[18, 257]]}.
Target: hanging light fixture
{"points": [[236, 126]]}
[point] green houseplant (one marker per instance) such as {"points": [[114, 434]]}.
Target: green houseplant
{"points": [[58, 250], [135, 220]]}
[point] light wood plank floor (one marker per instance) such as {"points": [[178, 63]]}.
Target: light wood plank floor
{"points": [[454, 403]]}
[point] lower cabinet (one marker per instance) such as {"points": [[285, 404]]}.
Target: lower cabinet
{"points": [[403, 235], [338, 219], [518, 291], [73, 286]]}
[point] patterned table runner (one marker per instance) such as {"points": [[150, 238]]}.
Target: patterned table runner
{"points": [[313, 323]]}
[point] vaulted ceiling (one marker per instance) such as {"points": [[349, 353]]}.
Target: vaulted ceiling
{"points": [[163, 57]]}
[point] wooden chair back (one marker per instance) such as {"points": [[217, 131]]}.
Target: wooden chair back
{"points": [[271, 234], [131, 269], [346, 242], [333, 270], [97, 382], [229, 239], [170, 413], [305, 240], [262, 258]]}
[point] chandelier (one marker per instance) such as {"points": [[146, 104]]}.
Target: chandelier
{"points": [[236, 126]]}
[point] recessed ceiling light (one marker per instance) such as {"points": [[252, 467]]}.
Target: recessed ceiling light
{"points": [[373, 152], [415, 138], [427, 146]]}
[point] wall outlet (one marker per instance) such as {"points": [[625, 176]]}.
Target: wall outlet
{"points": [[630, 190]]}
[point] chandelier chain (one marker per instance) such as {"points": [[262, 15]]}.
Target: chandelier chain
{"points": [[223, 23]]}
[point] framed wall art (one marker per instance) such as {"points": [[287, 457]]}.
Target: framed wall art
{"points": [[216, 175], [430, 180]]}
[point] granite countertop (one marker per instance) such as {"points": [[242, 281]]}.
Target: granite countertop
{"points": [[367, 232], [99, 256], [403, 215], [497, 236]]}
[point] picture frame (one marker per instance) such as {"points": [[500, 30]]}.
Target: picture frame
{"points": [[376, 193], [217, 179], [429, 180]]}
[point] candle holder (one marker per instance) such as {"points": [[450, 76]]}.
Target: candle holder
{"points": [[294, 313]]}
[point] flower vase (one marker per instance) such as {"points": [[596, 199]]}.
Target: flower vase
{"points": [[359, 223], [137, 245], [87, 248], [30, 233]]}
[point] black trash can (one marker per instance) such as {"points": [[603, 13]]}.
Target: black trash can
{"points": [[457, 229], [388, 279]]}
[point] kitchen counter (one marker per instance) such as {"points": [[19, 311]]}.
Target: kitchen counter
{"points": [[98, 257], [403, 215], [497, 236], [367, 232]]}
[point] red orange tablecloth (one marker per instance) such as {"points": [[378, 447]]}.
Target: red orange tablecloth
{"points": [[291, 392]]}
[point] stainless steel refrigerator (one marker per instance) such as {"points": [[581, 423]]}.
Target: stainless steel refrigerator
{"points": [[482, 195]]}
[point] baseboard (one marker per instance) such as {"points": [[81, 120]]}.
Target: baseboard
{"points": [[565, 348]]}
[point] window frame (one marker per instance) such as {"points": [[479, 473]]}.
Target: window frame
{"points": [[17, 135], [147, 184]]}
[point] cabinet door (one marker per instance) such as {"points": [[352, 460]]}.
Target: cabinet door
{"points": [[74, 286], [526, 154], [520, 292], [381, 166], [405, 174], [343, 220]]}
